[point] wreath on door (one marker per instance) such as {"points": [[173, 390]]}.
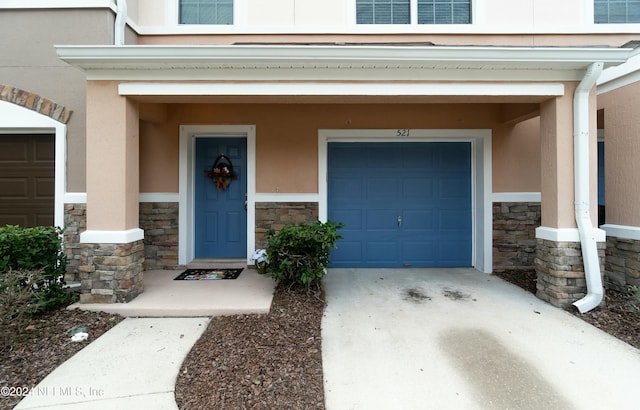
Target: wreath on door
{"points": [[221, 173]]}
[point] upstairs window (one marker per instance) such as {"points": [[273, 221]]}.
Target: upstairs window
{"points": [[206, 11], [383, 11], [400, 11], [444, 11], [616, 11]]}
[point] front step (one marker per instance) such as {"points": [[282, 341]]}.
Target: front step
{"points": [[216, 263]]}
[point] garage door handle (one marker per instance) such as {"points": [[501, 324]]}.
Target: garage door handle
{"points": [[399, 220]]}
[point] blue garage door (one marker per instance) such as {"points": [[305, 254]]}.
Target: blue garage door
{"points": [[403, 204]]}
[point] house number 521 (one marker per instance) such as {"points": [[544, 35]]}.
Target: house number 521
{"points": [[402, 133]]}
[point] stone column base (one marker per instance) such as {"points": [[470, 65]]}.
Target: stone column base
{"points": [[623, 263], [111, 273], [560, 271]]}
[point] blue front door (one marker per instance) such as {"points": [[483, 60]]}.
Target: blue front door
{"points": [[403, 204], [220, 215]]}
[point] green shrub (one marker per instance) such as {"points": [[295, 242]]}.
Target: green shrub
{"points": [[36, 249], [633, 293], [299, 254]]}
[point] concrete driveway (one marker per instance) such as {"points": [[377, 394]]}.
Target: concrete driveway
{"points": [[461, 339]]}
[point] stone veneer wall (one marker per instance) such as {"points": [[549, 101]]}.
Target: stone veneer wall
{"points": [[275, 215], [622, 265], [111, 273], [560, 271], [75, 222], [159, 220], [514, 235]]}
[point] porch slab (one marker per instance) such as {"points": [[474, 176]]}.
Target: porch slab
{"points": [[165, 297]]}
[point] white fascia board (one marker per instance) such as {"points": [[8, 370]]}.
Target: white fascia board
{"points": [[619, 76], [351, 89], [88, 57]]}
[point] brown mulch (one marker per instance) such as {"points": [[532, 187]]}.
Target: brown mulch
{"points": [[614, 317], [271, 361], [44, 345]]}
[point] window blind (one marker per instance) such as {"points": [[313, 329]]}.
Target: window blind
{"points": [[206, 11]]}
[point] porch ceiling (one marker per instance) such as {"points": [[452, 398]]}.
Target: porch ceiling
{"points": [[348, 62]]}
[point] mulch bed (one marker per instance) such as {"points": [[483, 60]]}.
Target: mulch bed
{"points": [[271, 361], [44, 345], [614, 317]]}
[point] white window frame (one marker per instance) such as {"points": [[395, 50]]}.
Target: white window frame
{"points": [[413, 15]]}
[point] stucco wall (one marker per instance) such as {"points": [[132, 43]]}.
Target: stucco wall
{"points": [[287, 139], [622, 150], [29, 62]]}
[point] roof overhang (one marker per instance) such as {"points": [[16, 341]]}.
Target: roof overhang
{"points": [[337, 62]]}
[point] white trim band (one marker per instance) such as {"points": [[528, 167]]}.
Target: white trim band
{"points": [[517, 197], [128, 236], [566, 234], [622, 231], [327, 89], [159, 197]]}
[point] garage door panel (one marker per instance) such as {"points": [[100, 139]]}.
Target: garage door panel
{"points": [[419, 252], [347, 188], [417, 188], [352, 218], [385, 189], [382, 156], [13, 150], [14, 188], [44, 188], [455, 188], [385, 252], [381, 220], [427, 185], [347, 252], [349, 156], [44, 150], [419, 220], [452, 219]]}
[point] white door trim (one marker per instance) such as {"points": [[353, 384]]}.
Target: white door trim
{"points": [[481, 178], [186, 184]]}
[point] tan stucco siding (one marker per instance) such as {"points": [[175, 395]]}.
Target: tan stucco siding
{"points": [[113, 154], [41, 72], [516, 157], [622, 154], [287, 139]]}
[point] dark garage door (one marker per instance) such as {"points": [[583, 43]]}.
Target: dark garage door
{"points": [[403, 204], [27, 170]]}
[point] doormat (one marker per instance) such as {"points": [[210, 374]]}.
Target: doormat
{"points": [[209, 274]]}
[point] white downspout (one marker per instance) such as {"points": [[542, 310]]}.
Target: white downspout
{"points": [[121, 23], [581, 161]]}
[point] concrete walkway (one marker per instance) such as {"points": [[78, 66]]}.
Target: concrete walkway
{"points": [[132, 366], [460, 339]]}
